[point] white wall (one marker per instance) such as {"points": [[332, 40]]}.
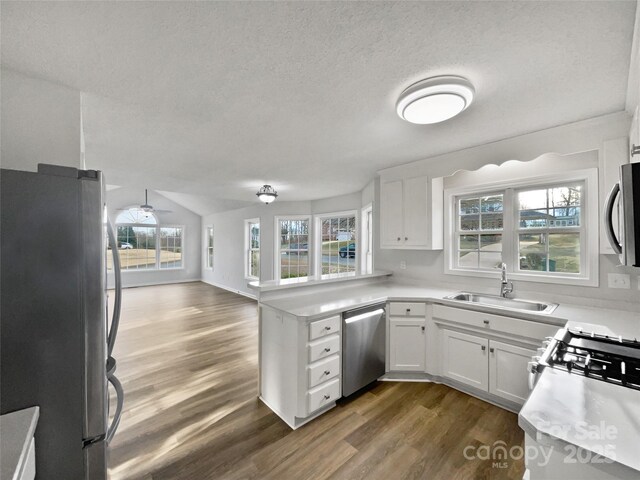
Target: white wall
{"points": [[178, 215], [40, 123], [428, 266]]}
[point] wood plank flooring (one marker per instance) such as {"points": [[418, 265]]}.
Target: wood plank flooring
{"points": [[188, 358]]}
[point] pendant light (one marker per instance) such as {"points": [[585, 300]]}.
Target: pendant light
{"points": [[435, 99], [267, 194]]}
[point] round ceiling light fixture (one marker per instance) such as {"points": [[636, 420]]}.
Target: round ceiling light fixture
{"points": [[435, 99], [267, 194]]}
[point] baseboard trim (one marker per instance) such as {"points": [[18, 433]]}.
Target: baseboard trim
{"points": [[228, 289]]}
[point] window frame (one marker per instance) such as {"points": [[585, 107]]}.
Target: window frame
{"points": [[364, 220], [276, 236], [248, 249], [207, 236], [157, 226], [589, 228], [317, 243]]}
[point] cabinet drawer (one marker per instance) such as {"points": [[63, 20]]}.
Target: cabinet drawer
{"points": [[324, 347], [407, 309], [324, 327], [323, 370], [323, 395], [496, 323]]}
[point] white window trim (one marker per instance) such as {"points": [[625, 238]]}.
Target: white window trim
{"points": [[317, 242], [206, 248], [157, 226], [364, 213], [589, 252], [276, 238], [247, 247]]}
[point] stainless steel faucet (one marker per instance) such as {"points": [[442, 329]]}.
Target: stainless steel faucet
{"points": [[505, 287]]}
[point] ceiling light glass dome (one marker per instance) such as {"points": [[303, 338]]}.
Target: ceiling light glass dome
{"points": [[435, 99]]}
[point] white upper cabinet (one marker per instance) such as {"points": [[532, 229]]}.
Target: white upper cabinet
{"points": [[411, 213]]}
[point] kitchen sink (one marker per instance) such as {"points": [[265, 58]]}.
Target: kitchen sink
{"points": [[501, 302]]}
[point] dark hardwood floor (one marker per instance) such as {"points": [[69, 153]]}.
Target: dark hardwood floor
{"points": [[188, 360]]}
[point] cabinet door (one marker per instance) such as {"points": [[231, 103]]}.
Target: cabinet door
{"points": [[508, 371], [391, 214], [465, 359], [407, 345], [415, 212]]}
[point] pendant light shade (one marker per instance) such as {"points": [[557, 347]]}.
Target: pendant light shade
{"points": [[435, 99], [267, 194]]}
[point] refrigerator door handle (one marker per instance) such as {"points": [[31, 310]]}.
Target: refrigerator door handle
{"points": [[117, 275], [111, 431], [608, 219]]}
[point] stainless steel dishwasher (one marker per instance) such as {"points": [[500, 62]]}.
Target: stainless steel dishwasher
{"points": [[363, 347]]}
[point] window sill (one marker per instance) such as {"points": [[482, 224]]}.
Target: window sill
{"points": [[567, 279]]}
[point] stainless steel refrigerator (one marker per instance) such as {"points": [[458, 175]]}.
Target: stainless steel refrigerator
{"points": [[56, 334]]}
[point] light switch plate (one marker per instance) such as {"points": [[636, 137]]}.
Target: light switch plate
{"points": [[619, 280], [403, 265]]}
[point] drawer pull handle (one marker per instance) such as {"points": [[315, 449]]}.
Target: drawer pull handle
{"points": [[483, 348], [327, 397], [327, 349], [408, 311], [492, 349], [327, 328], [327, 372], [486, 322]]}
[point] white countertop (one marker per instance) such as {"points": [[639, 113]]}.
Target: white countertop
{"points": [[16, 431], [601, 417], [315, 305], [298, 282]]}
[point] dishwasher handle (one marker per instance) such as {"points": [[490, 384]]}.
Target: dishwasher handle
{"points": [[363, 316]]}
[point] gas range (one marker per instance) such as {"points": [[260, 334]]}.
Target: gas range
{"points": [[609, 359]]}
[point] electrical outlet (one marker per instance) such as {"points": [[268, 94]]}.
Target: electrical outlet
{"points": [[619, 280], [403, 265]]}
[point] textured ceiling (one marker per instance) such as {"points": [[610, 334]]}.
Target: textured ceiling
{"points": [[214, 99]]}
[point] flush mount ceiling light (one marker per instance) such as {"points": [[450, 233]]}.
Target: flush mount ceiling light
{"points": [[267, 194], [435, 99]]}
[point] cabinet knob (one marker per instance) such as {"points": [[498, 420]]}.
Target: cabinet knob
{"points": [[422, 328], [327, 328], [398, 238], [483, 347], [327, 372], [486, 322], [406, 238], [327, 397], [408, 311], [327, 349], [492, 350]]}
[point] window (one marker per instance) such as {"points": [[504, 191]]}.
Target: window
{"points": [[252, 249], [170, 247], [145, 245], [337, 250], [539, 229], [292, 247], [549, 228], [209, 249]]}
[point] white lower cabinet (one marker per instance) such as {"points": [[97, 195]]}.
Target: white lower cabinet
{"points": [[407, 345], [507, 371], [465, 359]]}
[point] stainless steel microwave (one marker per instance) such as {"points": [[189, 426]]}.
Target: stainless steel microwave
{"points": [[626, 243]]}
